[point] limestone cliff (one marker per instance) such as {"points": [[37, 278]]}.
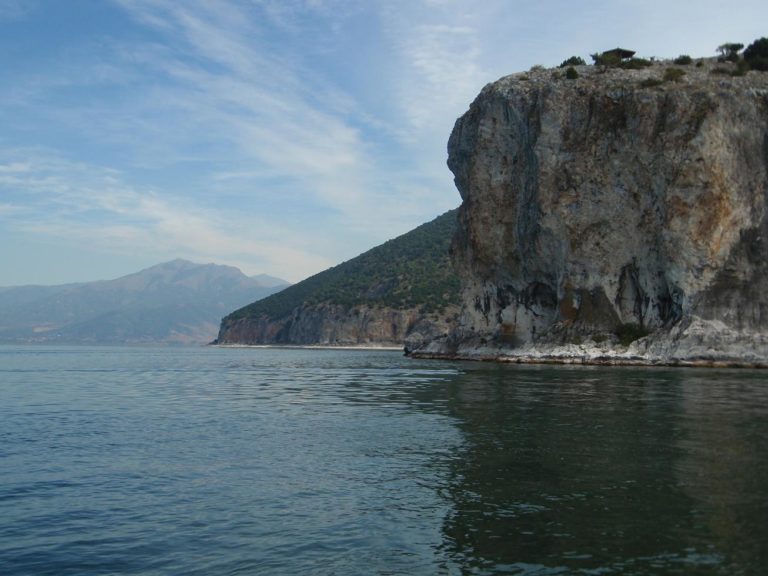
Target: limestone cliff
{"points": [[608, 219], [402, 293]]}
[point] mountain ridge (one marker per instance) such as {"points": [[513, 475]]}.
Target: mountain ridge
{"points": [[173, 302]]}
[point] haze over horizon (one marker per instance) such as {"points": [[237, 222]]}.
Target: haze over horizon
{"points": [[281, 137]]}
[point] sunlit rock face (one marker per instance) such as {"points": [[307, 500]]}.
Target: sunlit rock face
{"points": [[607, 221]]}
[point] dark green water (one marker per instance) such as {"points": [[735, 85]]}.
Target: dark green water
{"points": [[257, 461]]}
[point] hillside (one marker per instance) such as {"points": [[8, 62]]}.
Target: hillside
{"points": [[404, 286], [174, 302]]}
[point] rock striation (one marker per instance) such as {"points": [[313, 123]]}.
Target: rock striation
{"points": [[329, 324], [608, 219]]}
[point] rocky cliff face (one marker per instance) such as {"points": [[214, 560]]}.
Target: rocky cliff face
{"points": [[605, 220], [337, 325]]}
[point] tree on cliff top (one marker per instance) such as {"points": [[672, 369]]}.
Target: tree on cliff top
{"points": [[573, 61], [756, 54], [729, 51]]}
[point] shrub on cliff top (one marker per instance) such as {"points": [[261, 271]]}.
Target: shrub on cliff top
{"points": [[573, 61], [620, 58], [651, 82], [673, 74], [683, 60], [670, 75], [571, 73], [720, 70], [756, 55], [635, 64], [608, 59], [742, 67]]}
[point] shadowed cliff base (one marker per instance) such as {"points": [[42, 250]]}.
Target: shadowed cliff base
{"points": [[607, 219]]}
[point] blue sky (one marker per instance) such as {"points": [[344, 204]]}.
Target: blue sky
{"points": [[279, 136]]}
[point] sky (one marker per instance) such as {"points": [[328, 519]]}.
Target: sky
{"points": [[278, 136]]}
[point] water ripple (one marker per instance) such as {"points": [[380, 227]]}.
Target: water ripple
{"points": [[214, 461]]}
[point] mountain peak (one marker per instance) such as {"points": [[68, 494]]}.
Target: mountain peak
{"points": [[175, 301]]}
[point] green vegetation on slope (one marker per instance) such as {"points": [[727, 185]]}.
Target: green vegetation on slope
{"points": [[411, 271]]}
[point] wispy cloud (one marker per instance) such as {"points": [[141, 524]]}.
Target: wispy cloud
{"points": [[293, 129], [6, 209], [16, 9], [15, 167], [87, 204], [278, 135], [445, 72], [230, 111], [260, 100]]}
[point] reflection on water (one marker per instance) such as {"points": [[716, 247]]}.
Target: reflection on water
{"points": [[622, 470], [147, 461]]}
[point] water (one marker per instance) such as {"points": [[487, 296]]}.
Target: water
{"points": [[259, 461]]}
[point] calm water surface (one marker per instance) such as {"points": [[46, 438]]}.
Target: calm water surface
{"points": [[264, 461]]}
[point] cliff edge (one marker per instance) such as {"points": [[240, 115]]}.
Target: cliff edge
{"points": [[615, 217]]}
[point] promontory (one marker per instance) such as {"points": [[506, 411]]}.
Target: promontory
{"points": [[401, 293], [613, 216]]}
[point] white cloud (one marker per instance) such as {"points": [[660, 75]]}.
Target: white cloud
{"points": [[446, 72], [14, 167], [281, 135], [236, 88], [7, 209], [93, 206], [281, 119], [291, 125]]}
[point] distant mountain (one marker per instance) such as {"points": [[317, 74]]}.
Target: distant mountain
{"points": [[401, 291], [176, 302], [269, 281]]}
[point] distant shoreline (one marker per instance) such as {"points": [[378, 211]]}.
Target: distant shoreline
{"points": [[311, 346]]}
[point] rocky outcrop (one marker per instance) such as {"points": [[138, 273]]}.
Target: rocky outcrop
{"points": [[608, 220], [337, 325]]}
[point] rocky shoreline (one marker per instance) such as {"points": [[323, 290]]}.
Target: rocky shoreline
{"points": [[692, 343], [587, 360]]}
